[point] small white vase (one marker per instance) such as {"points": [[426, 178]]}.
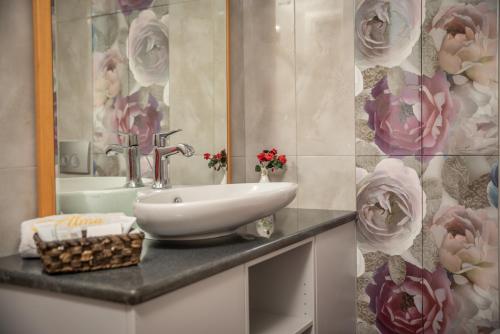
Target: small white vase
{"points": [[265, 226], [264, 175], [224, 178]]}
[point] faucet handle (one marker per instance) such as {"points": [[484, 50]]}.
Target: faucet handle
{"points": [[159, 138], [131, 139]]}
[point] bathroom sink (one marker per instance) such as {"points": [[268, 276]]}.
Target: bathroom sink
{"points": [[101, 194], [203, 212]]}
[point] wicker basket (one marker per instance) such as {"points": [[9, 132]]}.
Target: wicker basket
{"points": [[88, 254]]}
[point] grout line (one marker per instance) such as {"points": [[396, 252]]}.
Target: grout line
{"points": [[17, 168]]}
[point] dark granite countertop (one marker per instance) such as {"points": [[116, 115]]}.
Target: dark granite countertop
{"points": [[165, 268]]}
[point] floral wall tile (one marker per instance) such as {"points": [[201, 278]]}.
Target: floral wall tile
{"points": [[461, 41], [392, 272], [462, 230], [388, 76], [451, 129]]}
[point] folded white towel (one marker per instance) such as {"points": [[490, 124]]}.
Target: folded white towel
{"points": [[61, 227]]}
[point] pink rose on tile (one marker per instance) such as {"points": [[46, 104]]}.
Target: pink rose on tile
{"points": [[410, 114], [423, 303], [391, 205], [468, 244], [465, 36], [148, 49], [136, 114], [109, 72], [476, 129], [386, 31]]}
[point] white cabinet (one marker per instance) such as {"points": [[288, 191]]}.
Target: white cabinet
{"points": [[281, 291], [307, 287]]}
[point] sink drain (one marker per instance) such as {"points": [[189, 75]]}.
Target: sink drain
{"points": [[177, 200]]}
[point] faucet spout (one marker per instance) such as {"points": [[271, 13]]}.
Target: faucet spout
{"points": [[161, 163], [113, 149], [132, 158], [185, 149]]}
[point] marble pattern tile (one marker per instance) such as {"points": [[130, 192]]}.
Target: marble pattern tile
{"points": [[219, 75], [74, 80], [326, 182], [192, 47], [17, 117], [192, 111], [324, 80], [191, 171], [65, 10], [17, 204], [239, 169], [237, 79], [270, 117]]}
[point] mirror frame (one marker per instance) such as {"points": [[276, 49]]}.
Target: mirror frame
{"points": [[44, 104]]}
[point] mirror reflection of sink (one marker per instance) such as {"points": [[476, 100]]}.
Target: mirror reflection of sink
{"points": [[101, 194], [203, 212]]}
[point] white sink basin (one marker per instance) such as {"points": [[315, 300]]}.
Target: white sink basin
{"points": [[209, 211], [101, 194]]}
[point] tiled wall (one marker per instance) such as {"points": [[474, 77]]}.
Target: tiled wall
{"points": [[17, 122], [292, 89], [427, 150]]}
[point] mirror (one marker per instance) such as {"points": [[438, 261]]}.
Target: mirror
{"points": [[123, 71]]}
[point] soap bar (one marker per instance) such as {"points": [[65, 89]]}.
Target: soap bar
{"points": [[106, 229]]}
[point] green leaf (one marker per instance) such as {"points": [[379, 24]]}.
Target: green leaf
{"points": [[258, 168]]}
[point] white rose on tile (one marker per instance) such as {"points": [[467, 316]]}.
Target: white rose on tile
{"points": [[148, 49], [390, 204]]}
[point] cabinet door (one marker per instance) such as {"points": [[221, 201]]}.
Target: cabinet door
{"points": [[336, 280], [215, 305]]}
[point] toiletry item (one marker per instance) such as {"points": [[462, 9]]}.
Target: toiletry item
{"points": [[106, 229]]}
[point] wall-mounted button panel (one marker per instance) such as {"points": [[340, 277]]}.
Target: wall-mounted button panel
{"points": [[74, 157]]}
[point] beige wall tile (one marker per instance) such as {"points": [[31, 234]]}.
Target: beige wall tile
{"points": [[191, 171], [270, 118], [237, 79], [325, 78], [17, 119], [327, 182], [72, 9], [239, 170], [74, 80], [17, 203], [192, 111], [191, 40]]}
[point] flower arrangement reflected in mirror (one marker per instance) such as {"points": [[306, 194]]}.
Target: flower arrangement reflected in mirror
{"points": [[217, 162]]}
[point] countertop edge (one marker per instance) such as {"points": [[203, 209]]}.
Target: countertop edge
{"points": [[141, 295]]}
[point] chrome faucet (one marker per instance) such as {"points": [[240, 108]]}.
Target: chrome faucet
{"points": [[161, 158], [132, 156]]}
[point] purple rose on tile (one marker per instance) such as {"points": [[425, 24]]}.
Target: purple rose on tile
{"points": [[136, 114], [411, 114], [423, 303], [127, 6]]}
